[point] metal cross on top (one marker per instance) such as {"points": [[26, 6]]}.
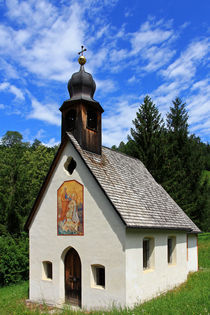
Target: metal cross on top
{"points": [[82, 59], [81, 52]]}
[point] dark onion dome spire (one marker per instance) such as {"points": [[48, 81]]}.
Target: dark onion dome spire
{"points": [[81, 114], [81, 85]]}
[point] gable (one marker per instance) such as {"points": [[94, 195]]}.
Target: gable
{"points": [[81, 176]]}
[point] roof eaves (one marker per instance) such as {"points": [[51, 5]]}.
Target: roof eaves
{"points": [[144, 227]]}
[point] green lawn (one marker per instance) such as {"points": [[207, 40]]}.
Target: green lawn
{"points": [[193, 297]]}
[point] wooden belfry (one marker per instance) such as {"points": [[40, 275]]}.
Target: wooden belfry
{"points": [[81, 114]]}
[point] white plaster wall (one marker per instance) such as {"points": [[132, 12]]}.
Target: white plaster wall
{"points": [[192, 253], [145, 284], [102, 243]]}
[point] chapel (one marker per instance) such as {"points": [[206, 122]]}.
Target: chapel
{"points": [[102, 231]]}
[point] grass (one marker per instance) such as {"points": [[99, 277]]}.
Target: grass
{"points": [[192, 297]]}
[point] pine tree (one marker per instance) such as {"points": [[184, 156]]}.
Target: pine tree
{"points": [[147, 135], [175, 159], [177, 118], [184, 163]]}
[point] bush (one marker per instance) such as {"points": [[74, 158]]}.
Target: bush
{"points": [[14, 263]]}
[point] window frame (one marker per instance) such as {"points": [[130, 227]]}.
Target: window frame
{"points": [[95, 281], [171, 250], [148, 257], [47, 270], [70, 165]]}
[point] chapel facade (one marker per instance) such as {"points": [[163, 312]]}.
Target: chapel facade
{"points": [[102, 231]]}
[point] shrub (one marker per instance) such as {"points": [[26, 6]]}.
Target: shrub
{"points": [[14, 264]]}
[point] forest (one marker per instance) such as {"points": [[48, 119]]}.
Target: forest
{"points": [[178, 161]]}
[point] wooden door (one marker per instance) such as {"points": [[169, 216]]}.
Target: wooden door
{"points": [[73, 278]]}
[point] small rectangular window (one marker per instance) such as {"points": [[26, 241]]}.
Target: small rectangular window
{"points": [[148, 253], [171, 250], [145, 253], [98, 276], [47, 270]]}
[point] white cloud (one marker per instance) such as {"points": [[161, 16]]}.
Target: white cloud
{"points": [[132, 79], [17, 92], [45, 112], [179, 80], [157, 57], [118, 54], [184, 68], [30, 12], [117, 124], [150, 34], [7, 69], [47, 37], [2, 106], [105, 86], [6, 86], [40, 134], [51, 143], [199, 107], [150, 46]]}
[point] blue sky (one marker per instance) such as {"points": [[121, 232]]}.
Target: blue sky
{"points": [[134, 48]]}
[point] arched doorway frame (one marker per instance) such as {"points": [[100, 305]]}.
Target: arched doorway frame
{"points": [[63, 257]]}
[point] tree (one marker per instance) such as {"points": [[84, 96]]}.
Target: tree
{"points": [[36, 143], [184, 164], [177, 149], [34, 165], [11, 151], [22, 171], [11, 138], [175, 158], [147, 135], [177, 117]]}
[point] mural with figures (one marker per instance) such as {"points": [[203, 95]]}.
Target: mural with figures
{"points": [[70, 208]]}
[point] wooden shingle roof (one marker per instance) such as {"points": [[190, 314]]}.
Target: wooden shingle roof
{"points": [[139, 200]]}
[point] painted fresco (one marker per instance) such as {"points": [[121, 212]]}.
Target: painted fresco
{"points": [[70, 209]]}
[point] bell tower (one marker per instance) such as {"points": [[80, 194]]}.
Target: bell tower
{"points": [[81, 114]]}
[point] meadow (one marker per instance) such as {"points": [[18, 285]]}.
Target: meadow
{"points": [[192, 297]]}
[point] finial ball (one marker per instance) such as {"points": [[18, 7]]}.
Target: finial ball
{"points": [[82, 60]]}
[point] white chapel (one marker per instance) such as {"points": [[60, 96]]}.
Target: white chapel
{"points": [[102, 231]]}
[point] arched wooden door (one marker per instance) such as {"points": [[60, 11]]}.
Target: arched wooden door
{"points": [[73, 277]]}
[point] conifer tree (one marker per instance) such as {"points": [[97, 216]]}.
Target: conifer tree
{"points": [[184, 163], [147, 135], [175, 158], [177, 118]]}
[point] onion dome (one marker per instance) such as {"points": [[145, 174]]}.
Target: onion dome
{"points": [[81, 85]]}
